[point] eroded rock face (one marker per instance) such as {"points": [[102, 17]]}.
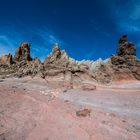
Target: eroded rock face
{"points": [[6, 59], [59, 61], [22, 64], [125, 47], [60, 68], [5, 65], [125, 61], [22, 53], [123, 39], [126, 53], [121, 67], [32, 68], [58, 58], [63, 71]]}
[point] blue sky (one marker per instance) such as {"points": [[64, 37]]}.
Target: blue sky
{"points": [[86, 29]]}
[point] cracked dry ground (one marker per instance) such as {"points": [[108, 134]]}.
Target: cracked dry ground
{"points": [[32, 110]]}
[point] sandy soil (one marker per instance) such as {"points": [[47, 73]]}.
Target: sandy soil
{"points": [[31, 109]]}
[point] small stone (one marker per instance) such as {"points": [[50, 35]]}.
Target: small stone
{"points": [[83, 113], [65, 90], [123, 121]]}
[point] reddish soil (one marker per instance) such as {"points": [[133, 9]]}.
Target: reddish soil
{"points": [[30, 109]]}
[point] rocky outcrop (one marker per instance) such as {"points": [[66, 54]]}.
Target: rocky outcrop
{"points": [[5, 65], [6, 59], [125, 47], [60, 59], [32, 68], [125, 61], [61, 70], [22, 53], [126, 53], [123, 66], [22, 64]]}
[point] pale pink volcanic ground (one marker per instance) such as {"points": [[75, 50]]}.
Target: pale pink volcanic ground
{"points": [[30, 109]]}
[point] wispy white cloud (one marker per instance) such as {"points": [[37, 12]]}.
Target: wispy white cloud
{"points": [[42, 41], [135, 11], [43, 45], [49, 37], [127, 16], [128, 27], [39, 51]]}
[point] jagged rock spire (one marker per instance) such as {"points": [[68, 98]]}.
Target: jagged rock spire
{"points": [[123, 39], [55, 48], [22, 53], [125, 48], [54, 56], [126, 53]]}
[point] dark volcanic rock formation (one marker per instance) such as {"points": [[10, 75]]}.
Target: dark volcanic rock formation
{"points": [[125, 47], [22, 53], [125, 60], [126, 53]]}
